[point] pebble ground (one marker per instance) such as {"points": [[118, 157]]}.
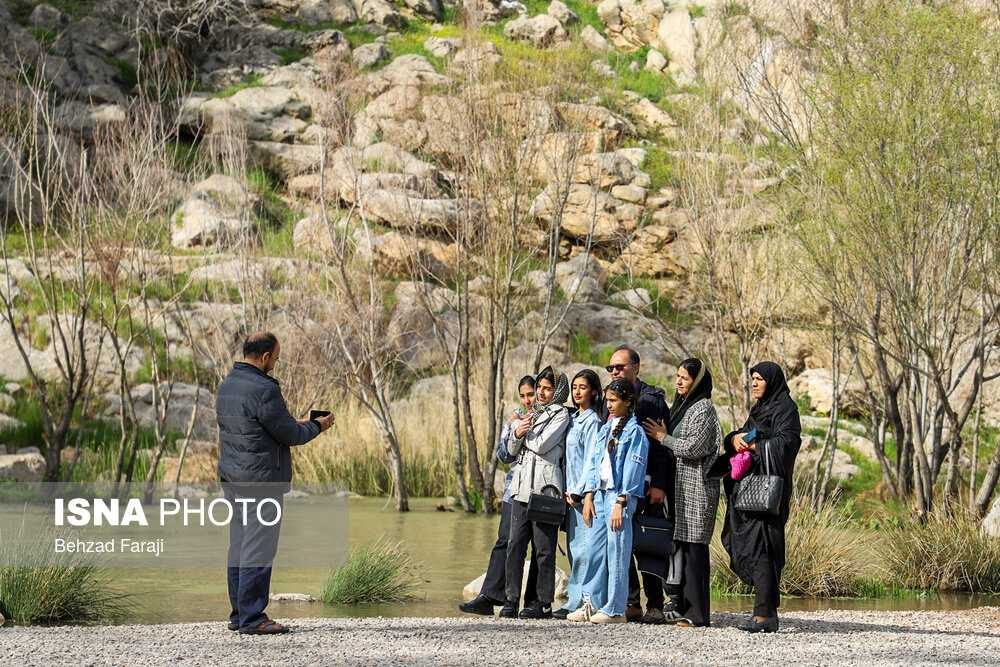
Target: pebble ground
{"points": [[815, 638]]}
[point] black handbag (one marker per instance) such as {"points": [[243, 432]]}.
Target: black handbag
{"points": [[760, 493], [548, 505], [653, 534]]}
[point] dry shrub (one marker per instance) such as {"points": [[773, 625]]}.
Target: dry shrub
{"points": [[823, 556], [948, 552]]}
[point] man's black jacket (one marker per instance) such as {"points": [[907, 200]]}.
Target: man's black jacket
{"points": [[255, 428]]}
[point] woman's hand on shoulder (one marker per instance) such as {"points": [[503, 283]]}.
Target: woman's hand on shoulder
{"points": [[655, 429]]}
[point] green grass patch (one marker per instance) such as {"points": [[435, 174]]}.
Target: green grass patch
{"points": [[40, 586], [44, 36], [661, 306], [291, 54], [127, 73], [582, 350], [277, 218], [253, 81], [660, 167], [184, 155], [377, 573]]}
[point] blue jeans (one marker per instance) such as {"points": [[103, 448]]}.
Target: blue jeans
{"points": [[608, 554], [252, 548], [576, 552]]}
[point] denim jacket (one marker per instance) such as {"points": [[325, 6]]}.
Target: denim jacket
{"points": [[629, 465], [583, 429]]}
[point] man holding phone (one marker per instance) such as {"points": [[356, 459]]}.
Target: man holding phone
{"points": [[256, 433]]}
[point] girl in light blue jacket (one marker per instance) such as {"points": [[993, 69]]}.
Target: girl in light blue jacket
{"points": [[587, 397], [614, 475]]}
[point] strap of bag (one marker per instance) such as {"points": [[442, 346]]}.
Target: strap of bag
{"points": [[767, 457], [533, 457]]}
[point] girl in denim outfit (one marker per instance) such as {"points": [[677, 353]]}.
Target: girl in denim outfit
{"points": [[614, 475], [588, 399]]}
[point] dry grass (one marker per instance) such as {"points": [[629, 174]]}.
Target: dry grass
{"points": [[947, 553], [824, 556]]}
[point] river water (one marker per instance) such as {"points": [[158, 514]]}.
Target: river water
{"points": [[452, 548], [187, 581]]}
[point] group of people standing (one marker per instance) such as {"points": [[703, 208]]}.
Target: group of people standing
{"points": [[626, 461]]}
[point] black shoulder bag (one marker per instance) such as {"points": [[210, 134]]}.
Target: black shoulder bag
{"points": [[760, 493], [653, 534], [548, 505]]}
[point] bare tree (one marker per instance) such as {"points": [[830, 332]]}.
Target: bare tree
{"points": [[53, 188]]}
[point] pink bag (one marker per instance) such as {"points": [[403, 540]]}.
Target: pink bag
{"points": [[739, 465]]}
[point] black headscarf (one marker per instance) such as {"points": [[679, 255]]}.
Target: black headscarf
{"points": [[776, 396], [702, 388]]}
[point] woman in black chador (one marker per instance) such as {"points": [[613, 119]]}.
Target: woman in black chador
{"points": [[756, 541]]}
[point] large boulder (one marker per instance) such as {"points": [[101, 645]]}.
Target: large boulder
{"points": [[594, 40], [398, 255], [286, 160], [472, 589], [379, 12], [181, 400], [542, 31], [816, 384], [22, 467], [218, 211], [631, 24], [676, 35], [596, 118], [649, 253], [402, 210], [265, 103], [843, 468], [587, 212]]}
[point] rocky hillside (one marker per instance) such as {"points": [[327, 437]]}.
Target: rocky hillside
{"points": [[628, 245]]}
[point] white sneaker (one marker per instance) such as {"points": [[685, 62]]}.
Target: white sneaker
{"points": [[600, 618], [581, 615]]}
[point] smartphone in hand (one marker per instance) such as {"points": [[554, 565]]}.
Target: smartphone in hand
{"points": [[751, 436], [316, 414]]}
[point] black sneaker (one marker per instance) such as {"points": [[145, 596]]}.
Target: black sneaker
{"points": [[233, 627], [536, 612], [481, 605], [561, 613], [509, 609], [768, 625]]}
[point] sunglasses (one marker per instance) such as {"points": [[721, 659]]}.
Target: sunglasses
{"points": [[611, 368]]}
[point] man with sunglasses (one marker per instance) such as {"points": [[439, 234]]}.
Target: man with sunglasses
{"points": [[651, 403]]}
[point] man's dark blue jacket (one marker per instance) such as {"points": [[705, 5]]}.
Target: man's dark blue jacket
{"points": [[255, 428]]}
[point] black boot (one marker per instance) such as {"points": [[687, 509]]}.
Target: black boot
{"points": [[481, 605], [767, 625], [509, 609], [536, 611]]}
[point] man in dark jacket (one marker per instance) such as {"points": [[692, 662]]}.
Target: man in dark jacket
{"points": [[651, 403], [256, 433]]}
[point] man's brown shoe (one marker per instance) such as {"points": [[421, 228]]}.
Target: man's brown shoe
{"points": [[268, 627]]}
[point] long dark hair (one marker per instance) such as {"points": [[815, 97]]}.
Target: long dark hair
{"points": [[526, 380], [597, 405], [625, 391]]}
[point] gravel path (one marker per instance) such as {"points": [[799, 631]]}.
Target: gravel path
{"points": [[828, 637]]}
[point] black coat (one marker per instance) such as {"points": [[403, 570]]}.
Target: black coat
{"points": [[255, 428], [750, 536]]}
